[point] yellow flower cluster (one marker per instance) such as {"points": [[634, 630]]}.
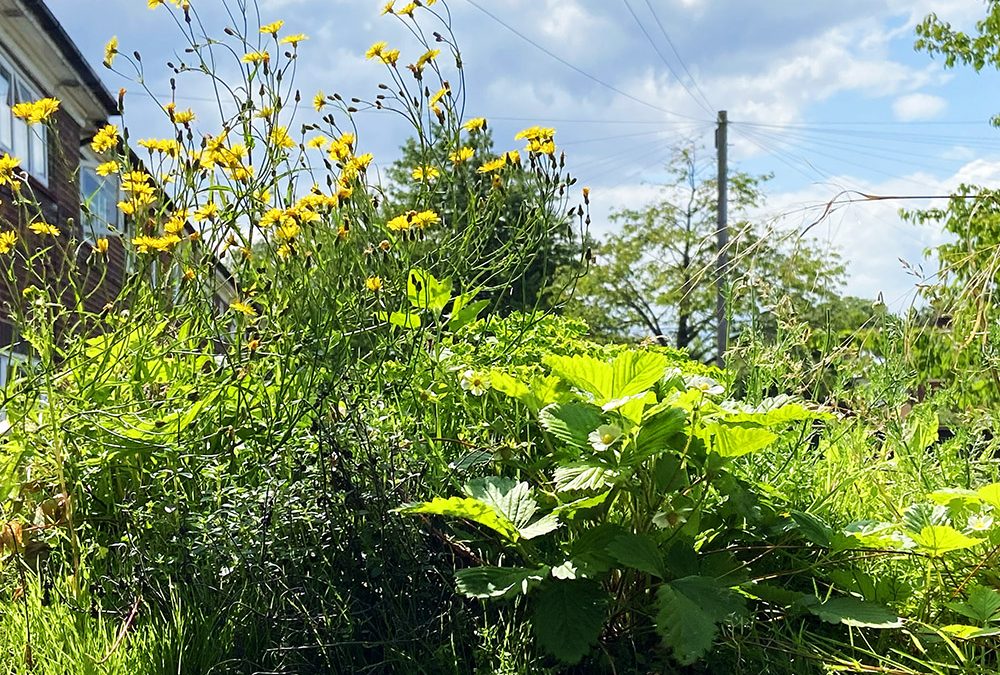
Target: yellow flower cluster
{"points": [[413, 220], [166, 146], [140, 193], [37, 112], [151, 244], [44, 229], [8, 165], [494, 165], [256, 57], [281, 138], [8, 240], [462, 155], [105, 139], [342, 148], [179, 116], [381, 51], [425, 173], [180, 4], [540, 140]]}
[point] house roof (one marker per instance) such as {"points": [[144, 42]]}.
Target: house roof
{"points": [[36, 12]]}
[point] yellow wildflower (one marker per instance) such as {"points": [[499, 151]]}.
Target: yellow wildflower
{"points": [[475, 124], [493, 165], [110, 51], [388, 8], [280, 137], [272, 28], [105, 139], [294, 40], [319, 101], [101, 245], [147, 244], [256, 57], [36, 112], [462, 155], [426, 58], [512, 157], [407, 10], [40, 227], [189, 274], [184, 116], [288, 230], [427, 173], [243, 308], [166, 146], [399, 223], [317, 142], [535, 133], [7, 166], [389, 57], [376, 50], [207, 211], [8, 240], [373, 284], [107, 168], [424, 219]]}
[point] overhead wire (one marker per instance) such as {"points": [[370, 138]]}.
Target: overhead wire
{"points": [[574, 67], [677, 54]]}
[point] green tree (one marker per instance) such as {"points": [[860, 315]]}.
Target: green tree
{"points": [[531, 227], [656, 277]]}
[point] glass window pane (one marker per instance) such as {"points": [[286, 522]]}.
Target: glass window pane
{"points": [[39, 151], [6, 99]]}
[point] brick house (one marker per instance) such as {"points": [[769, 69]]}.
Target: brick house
{"points": [[38, 59]]}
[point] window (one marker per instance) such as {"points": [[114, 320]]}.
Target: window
{"points": [[98, 204], [30, 144]]}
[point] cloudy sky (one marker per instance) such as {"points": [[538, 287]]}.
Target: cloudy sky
{"points": [[828, 95]]}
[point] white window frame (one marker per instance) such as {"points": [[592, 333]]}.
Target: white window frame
{"points": [[33, 138], [92, 231]]}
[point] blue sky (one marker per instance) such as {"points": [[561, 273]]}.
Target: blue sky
{"points": [[828, 95]]}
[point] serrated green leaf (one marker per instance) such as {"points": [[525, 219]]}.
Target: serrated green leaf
{"points": [[631, 373], [774, 413], [655, 433], [401, 319], [584, 477], [735, 441], [464, 310], [569, 510], [571, 422], [855, 612], [982, 605], [813, 528], [936, 540], [637, 551], [466, 508], [543, 525], [689, 612], [568, 617], [513, 501], [498, 582]]}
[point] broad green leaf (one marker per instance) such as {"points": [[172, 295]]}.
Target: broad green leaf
{"points": [[918, 516], [464, 311], [937, 540], [639, 552], [631, 373], [855, 612], [734, 441], [655, 433], [920, 429], [990, 494], [982, 605], [951, 495], [776, 412], [468, 509], [513, 501], [568, 617], [813, 528], [543, 525], [401, 319], [584, 477], [426, 292], [471, 460], [571, 423], [569, 510], [498, 582], [690, 611], [537, 394], [963, 632]]}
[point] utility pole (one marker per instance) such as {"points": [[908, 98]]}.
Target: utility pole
{"points": [[722, 255]]}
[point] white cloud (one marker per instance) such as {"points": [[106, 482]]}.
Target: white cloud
{"points": [[918, 106]]}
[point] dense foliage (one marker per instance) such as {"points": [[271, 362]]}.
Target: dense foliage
{"points": [[369, 461]]}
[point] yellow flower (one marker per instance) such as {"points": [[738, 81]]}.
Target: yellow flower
{"points": [[475, 124], [166, 146], [253, 344], [105, 139], [535, 133], [37, 112], [284, 251], [373, 284], [389, 57], [427, 173], [387, 9], [317, 142], [512, 157], [288, 230], [542, 147], [189, 274], [272, 28], [427, 57], [110, 51], [436, 98], [7, 166], [280, 137], [462, 155], [184, 116], [107, 168], [319, 101], [176, 222], [101, 245], [424, 219], [256, 57], [207, 211], [407, 10], [243, 308], [7, 241], [40, 227], [146, 244], [295, 39], [399, 223], [376, 50], [493, 165]]}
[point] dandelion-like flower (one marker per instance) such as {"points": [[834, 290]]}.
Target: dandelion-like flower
{"points": [[110, 51], [373, 284], [105, 139], [243, 308], [44, 229], [8, 240]]}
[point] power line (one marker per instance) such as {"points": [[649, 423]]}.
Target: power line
{"points": [[670, 42], [575, 68], [704, 105]]}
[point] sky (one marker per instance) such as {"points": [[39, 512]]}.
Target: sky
{"points": [[829, 96]]}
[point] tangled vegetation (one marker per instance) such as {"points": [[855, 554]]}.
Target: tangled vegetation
{"points": [[377, 458]]}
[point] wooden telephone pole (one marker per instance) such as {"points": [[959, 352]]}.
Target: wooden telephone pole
{"points": [[722, 255]]}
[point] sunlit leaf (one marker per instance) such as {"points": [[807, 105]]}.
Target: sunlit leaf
{"points": [[498, 582], [937, 540]]}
